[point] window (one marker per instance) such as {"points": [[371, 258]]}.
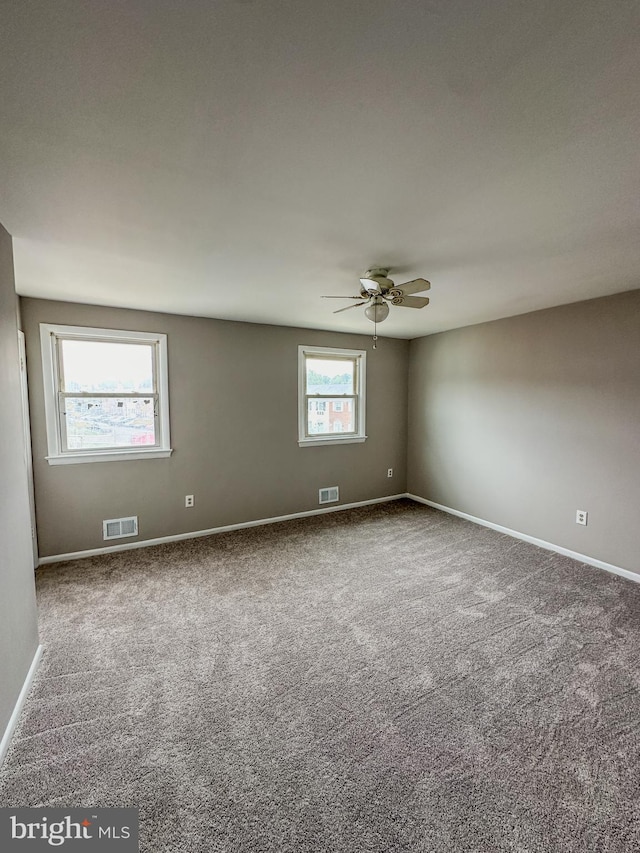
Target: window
{"points": [[106, 394], [335, 377]]}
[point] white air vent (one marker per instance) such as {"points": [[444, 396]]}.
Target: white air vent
{"points": [[329, 495], [118, 528]]}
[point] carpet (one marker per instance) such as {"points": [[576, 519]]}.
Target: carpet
{"points": [[388, 678]]}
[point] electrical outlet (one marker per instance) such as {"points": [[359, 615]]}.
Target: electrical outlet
{"points": [[389, 472], [189, 500], [581, 516]]}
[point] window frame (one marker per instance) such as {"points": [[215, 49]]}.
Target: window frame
{"points": [[359, 357], [57, 453]]}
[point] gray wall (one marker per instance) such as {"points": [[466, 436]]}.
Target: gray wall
{"points": [[525, 420], [233, 398], [18, 626]]}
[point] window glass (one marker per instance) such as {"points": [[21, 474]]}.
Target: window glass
{"points": [[329, 376], [106, 367], [94, 422], [106, 394], [319, 419]]}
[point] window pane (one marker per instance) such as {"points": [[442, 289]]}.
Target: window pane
{"points": [[95, 422], [91, 366], [330, 375], [322, 418]]}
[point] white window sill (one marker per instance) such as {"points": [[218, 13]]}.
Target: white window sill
{"points": [[318, 441], [108, 456]]}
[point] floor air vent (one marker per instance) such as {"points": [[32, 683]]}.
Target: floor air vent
{"points": [[118, 528], [329, 495]]}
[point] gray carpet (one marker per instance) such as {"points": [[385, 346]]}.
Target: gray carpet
{"points": [[382, 679]]}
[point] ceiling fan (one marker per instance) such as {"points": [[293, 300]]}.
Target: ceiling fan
{"points": [[377, 291]]}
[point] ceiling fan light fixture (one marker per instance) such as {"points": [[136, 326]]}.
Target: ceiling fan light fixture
{"points": [[377, 311]]}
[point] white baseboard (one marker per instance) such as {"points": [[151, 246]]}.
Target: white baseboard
{"points": [[541, 543], [582, 558], [146, 543], [15, 716]]}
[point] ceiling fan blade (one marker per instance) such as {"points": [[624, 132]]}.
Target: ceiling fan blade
{"points": [[410, 301], [341, 297], [415, 286], [355, 305]]}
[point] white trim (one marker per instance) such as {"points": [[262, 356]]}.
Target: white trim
{"points": [[359, 357], [318, 441], [17, 710], [56, 455], [541, 543], [146, 543], [28, 457], [107, 456]]}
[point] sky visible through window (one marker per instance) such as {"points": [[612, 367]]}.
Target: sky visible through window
{"points": [[334, 372], [104, 366]]}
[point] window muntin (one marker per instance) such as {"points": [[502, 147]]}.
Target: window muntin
{"points": [[331, 395], [106, 394]]}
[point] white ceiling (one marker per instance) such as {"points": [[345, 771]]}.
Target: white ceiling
{"points": [[237, 159]]}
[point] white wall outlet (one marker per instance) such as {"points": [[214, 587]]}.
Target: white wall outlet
{"points": [[581, 516], [389, 472], [189, 500]]}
